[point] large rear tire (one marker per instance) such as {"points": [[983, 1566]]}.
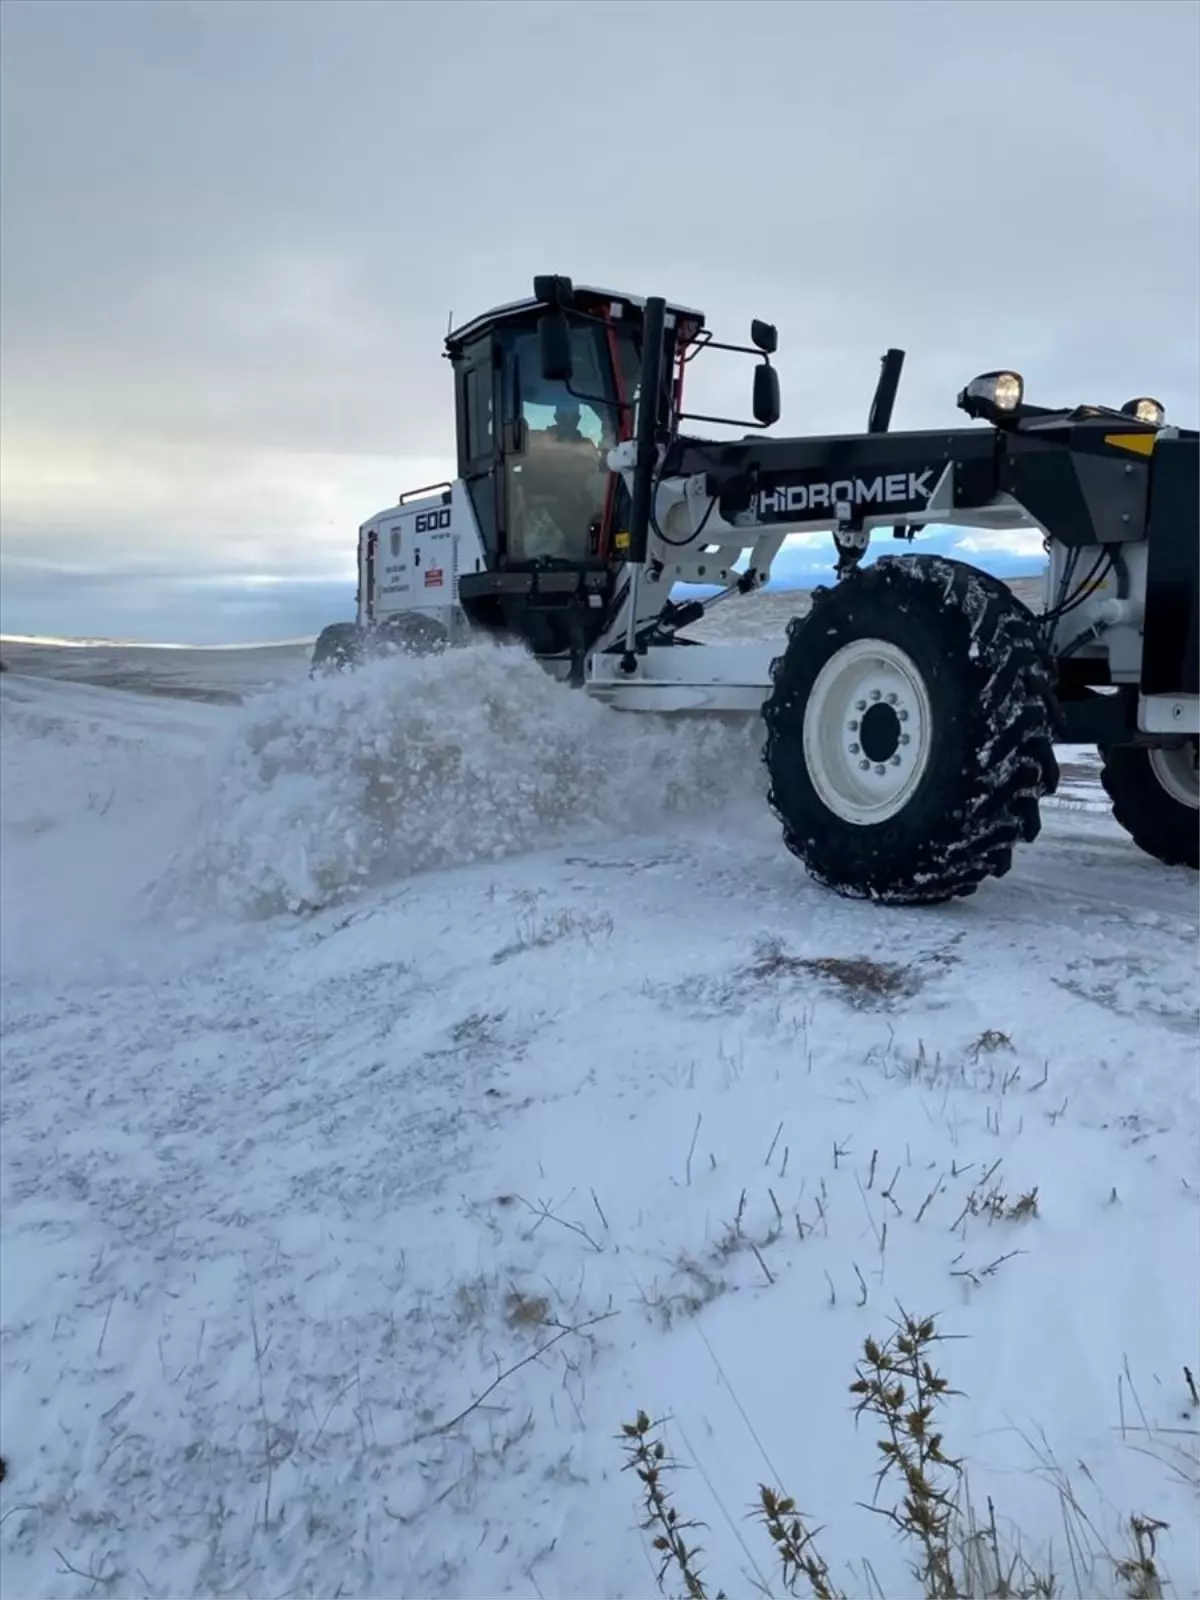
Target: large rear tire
{"points": [[338, 648], [910, 731], [409, 633], [343, 646], [1155, 797]]}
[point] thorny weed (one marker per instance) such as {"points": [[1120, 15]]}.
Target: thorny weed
{"points": [[795, 1545], [957, 1558], [646, 1457], [897, 1384]]}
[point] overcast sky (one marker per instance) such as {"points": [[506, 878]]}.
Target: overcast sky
{"points": [[232, 233]]}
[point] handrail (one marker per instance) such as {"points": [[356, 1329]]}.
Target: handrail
{"points": [[415, 494]]}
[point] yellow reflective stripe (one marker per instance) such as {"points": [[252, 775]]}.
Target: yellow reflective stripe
{"points": [[1140, 443]]}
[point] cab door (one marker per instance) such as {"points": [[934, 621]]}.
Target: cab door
{"points": [[557, 478], [480, 442]]}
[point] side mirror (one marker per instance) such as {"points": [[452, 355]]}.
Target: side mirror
{"points": [[554, 347], [766, 395], [764, 337]]}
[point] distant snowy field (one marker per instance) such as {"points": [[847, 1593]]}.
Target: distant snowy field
{"points": [[363, 1040]]}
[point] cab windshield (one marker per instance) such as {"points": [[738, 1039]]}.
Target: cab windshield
{"points": [[558, 484]]}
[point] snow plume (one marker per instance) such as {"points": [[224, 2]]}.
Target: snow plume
{"points": [[408, 764]]}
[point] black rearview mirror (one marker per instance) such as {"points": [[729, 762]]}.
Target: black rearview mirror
{"points": [[554, 347], [764, 337], [766, 395]]}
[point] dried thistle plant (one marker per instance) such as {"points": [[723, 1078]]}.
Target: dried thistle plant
{"points": [[897, 1384], [647, 1457], [798, 1555]]}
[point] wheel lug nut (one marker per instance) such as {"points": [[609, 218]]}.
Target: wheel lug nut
{"points": [[902, 716], [891, 699], [853, 749], [875, 695], [896, 761], [905, 739], [860, 705], [853, 726], [881, 770], [865, 765]]}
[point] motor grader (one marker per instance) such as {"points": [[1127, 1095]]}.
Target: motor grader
{"points": [[910, 718]]}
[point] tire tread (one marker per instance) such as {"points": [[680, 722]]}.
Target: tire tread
{"points": [[1013, 725]]}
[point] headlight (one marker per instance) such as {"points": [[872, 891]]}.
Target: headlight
{"points": [[1146, 410], [993, 395]]}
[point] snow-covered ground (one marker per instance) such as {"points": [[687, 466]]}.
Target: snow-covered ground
{"points": [[368, 1039]]}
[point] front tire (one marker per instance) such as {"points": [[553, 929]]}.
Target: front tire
{"points": [[1155, 797], [910, 731]]}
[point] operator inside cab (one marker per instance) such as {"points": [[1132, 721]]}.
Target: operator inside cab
{"points": [[563, 480], [565, 426]]}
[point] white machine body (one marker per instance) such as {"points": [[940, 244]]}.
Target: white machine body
{"points": [[411, 556]]}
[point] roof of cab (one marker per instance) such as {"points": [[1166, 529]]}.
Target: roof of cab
{"points": [[517, 308]]}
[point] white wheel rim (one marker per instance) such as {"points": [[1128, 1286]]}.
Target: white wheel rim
{"points": [[868, 726], [1175, 770]]}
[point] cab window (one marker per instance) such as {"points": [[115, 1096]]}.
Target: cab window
{"points": [[558, 483]]}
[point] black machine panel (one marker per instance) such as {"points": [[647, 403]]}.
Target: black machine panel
{"points": [[1171, 648]]}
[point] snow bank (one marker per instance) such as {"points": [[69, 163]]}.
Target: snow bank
{"points": [[409, 764]]}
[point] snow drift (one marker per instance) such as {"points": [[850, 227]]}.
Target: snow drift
{"points": [[410, 764], [334, 1252]]}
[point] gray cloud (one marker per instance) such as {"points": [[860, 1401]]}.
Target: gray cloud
{"points": [[233, 232]]}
